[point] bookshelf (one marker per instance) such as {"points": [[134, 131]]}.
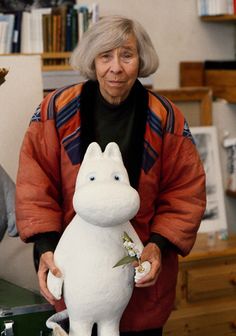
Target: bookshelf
{"points": [[221, 80], [52, 31], [55, 61], [219, 18]]}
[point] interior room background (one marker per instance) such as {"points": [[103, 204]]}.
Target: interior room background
{"points": [[178, 35]]}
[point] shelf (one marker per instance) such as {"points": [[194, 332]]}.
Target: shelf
{"points": [[54, 61], [231, 193], [218, 18]]}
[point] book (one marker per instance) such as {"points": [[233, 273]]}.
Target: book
{"points": [[95, 13], [36, 29], [68, 29], [3, 35], [60, 22], [16, 41], [54, 31], [74, 28], [25, 44], [62, 10], [46, 21], [80, 24], [230, 7], [8, 32], [215, 7], [84, 10]]}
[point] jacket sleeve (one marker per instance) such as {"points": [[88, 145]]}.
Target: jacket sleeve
{"points": [[182, 198], [38, 186]]}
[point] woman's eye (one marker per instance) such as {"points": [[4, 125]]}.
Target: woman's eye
{"points": [[92, 178], [127, 55], [105, 57], [117, 178]]}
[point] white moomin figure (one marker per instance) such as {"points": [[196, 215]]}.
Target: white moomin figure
{"points": [[94, 290]]}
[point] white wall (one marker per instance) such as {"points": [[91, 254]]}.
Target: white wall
{"points": [[177, 33], [16, 263], [19, 96]]}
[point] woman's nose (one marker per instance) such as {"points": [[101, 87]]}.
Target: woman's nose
{"points": [[116, 64]]}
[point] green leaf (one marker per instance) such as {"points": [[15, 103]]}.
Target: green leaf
{"points": [[125, 260]]}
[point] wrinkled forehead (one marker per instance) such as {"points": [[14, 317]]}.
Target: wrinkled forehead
{"points": [[126, 40]]}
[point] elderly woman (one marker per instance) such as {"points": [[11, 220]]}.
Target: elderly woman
{"points": [[158, 151]]}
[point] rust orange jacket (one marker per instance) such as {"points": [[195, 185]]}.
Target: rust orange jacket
{"points": [[171, 189]]}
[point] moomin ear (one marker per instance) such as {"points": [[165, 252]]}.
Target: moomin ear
{"points": [[112, 151], [93, 151]]}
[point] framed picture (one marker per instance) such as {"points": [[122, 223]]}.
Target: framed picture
{"points": [[194, 102], [214, 218]]}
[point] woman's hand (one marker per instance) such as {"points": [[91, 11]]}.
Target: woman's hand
{"points": [[47, 263], [151, 253]]}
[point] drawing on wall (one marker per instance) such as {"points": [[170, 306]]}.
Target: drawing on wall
{"points": [[214, 218]]}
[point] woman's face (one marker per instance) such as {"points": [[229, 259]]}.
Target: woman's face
{"points": [[117, 70]]}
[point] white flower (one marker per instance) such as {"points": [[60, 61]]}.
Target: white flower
{"points": [[131, 253], [126, 243], [131, 248], [131, 245]]}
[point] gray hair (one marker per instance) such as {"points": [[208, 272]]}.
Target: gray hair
{"points": [[108, 33]]}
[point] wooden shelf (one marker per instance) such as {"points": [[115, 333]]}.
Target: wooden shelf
{"points": [[202, 249], [231, 193], [54, 61], [218, 18], [205, 291]]}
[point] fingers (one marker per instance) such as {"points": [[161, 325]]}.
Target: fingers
{"points": [[152, 254], [151, 278], [42, 277], [46, 264], [48, 261]]}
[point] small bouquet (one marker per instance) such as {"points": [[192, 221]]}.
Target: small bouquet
{"points": [[133, 255]]}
